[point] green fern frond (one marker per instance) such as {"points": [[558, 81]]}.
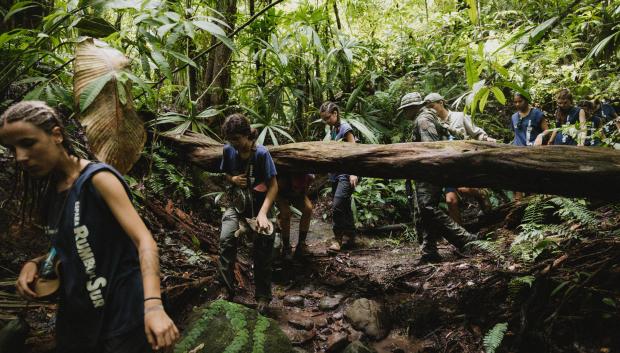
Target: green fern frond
{"points": [[492, 247], [518, 285], [493, 339], [575, 210], [535, 211]]}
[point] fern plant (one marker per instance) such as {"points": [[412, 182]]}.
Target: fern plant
{"points": [[519, 285], [165, 177], [493, 339], [536, 237], [575, 210], [490, 246]]}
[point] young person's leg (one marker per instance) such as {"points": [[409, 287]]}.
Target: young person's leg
{"points": [[284, 221], [342, 212], [480, 195], [262, 253], [342, 206], [228, 249], [437, 223], [452, 201], [304, 225]]}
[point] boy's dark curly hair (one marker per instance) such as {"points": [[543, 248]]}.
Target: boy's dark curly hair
{"points": [[238, 124]]}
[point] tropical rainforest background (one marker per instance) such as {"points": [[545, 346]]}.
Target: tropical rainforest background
{"points": [[192, 62]]}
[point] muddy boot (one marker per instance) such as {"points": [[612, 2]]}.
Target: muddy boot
{"points": [[337, 244], [350, 243], [262, 305], [429, 250], [286, 252], [226, 293], [301, 250], [430, 258]]}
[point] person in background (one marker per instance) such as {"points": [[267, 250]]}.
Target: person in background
{"points": [[527, 123], [292, 191], [247, 164], [109, 296], [608, 116], [593, 123], [436, 224], [567, 114], [343, 185], [461, 127], [410, 106], [459, 124], [604, 111]]}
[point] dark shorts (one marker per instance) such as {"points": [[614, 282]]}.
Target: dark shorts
{"points": [[133, 341]]}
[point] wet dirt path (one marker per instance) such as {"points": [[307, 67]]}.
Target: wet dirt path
{"points": [[310, 296]]}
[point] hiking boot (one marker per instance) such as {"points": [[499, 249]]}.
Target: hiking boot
{"points": [[226, 294], [262, 305], [350, 243], [286, 253], [301, 250], [430, 258], [335, 247]]}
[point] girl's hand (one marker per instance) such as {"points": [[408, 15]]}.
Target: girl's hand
{"points": [[240, 180], [26, 278], [353, 180], [490, 139], [160, 331], [263, 222], [539, 140]]}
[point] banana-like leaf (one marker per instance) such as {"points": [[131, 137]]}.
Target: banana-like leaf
{"points": [[115, 131]]}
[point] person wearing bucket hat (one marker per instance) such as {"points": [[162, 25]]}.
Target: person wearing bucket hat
{"points": [[434, 221], [411, 104], [109, 296]]}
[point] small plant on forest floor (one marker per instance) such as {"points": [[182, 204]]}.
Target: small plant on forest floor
{"points": [[493, 339], [165, 178], [537, 237], [379, 201]]}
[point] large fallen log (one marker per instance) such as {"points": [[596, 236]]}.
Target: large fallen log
{"points": [[561, 170]]}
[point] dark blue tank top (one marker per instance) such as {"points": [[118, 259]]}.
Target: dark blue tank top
{"points": [[526, 129], [101, 292], [572, 118]]}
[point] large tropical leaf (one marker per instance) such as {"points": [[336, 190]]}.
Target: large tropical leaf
{"points": [[115, 132]]}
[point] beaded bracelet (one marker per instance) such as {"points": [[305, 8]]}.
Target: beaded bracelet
{"points": [[152, 298]]}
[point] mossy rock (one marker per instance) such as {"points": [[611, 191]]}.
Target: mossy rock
{"points": [[227, 327]]}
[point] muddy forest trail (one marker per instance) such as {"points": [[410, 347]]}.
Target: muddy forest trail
{"points": [[444, 307]]}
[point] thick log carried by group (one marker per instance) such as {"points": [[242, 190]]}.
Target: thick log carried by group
{"points": [[561, 170]]}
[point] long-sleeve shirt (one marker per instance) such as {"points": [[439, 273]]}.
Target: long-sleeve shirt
{"points": [[428, 128], [463, 127]]}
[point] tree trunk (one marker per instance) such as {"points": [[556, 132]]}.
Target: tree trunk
{"points": [[561, 170], [218, 75]]}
